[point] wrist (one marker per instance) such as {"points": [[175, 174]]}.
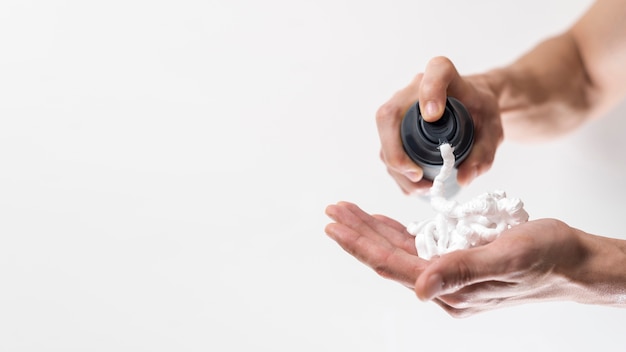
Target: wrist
{"points": [[601, 273], [501, 83]]}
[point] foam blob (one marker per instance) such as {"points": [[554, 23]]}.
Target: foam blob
{"points": [[461, 226]]}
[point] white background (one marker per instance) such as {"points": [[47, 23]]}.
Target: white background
{"points": [[165, 165]]}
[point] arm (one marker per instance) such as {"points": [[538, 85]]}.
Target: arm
{"points": [[541, 260], [552, 89], [567, 79]]}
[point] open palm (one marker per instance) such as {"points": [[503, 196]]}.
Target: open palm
{"points": [[536, 261]]}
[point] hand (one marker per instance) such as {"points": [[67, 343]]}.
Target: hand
{"points": [[439, 80], [378, 241], [536, 261]]}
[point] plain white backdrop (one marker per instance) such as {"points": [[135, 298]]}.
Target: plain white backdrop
{"points": [[165, 165]]}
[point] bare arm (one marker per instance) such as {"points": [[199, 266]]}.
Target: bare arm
{"points": [[567, 79], [552, 89]]}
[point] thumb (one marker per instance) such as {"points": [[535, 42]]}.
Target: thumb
{"points": [[439, 75], [456, 270]]}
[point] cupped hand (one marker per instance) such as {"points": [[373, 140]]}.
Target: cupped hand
{"points": [[431, 88], [535, 261], [377, 241]]}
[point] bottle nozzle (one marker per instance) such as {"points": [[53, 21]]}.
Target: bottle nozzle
{"points": [[440, 131]]}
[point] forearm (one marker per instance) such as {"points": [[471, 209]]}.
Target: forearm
{"points": [[546, 92], [567, 79], [600, 276]]}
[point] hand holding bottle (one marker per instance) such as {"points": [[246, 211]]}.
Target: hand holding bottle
{"points": [[431, 88]]}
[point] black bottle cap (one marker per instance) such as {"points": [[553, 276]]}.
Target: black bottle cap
{"points": [[421, 139]]}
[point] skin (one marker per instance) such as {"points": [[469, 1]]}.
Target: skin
{"points": [[519, 267], [553, 89]]}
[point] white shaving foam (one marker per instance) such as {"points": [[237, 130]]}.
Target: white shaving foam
{"points": [[462, 226]]}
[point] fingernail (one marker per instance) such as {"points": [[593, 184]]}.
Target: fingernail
{"points": [[412, 175], [433, 287], [431, 109]]}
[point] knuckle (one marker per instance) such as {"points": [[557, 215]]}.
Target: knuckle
{"points": [[464, 275], [439, 72], [380, 264], [440, 61], [418, 78], [387, 113], [485, 164], [459, 313], [381, 155], [395, 159], [383, 271], [499, 135], [432, 87], [456, 301], [455, 312]]}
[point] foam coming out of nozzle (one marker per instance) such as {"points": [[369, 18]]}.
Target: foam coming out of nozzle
{"points": [[461, 226]]}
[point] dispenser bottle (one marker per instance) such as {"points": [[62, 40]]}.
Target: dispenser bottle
{"points": [[421, 139]]}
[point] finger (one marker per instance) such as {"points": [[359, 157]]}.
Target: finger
{"points": [[477, 163], [487, 296], [405, 184], [410, 188], [342, 214], [482, 155], [440, 80], [454, 271], [410, 239], [484, 294], [352, 216], [371, 232], [388, 261], [391, 223], [397, 237], [453, 312], [460, 313], [388, 120]]}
